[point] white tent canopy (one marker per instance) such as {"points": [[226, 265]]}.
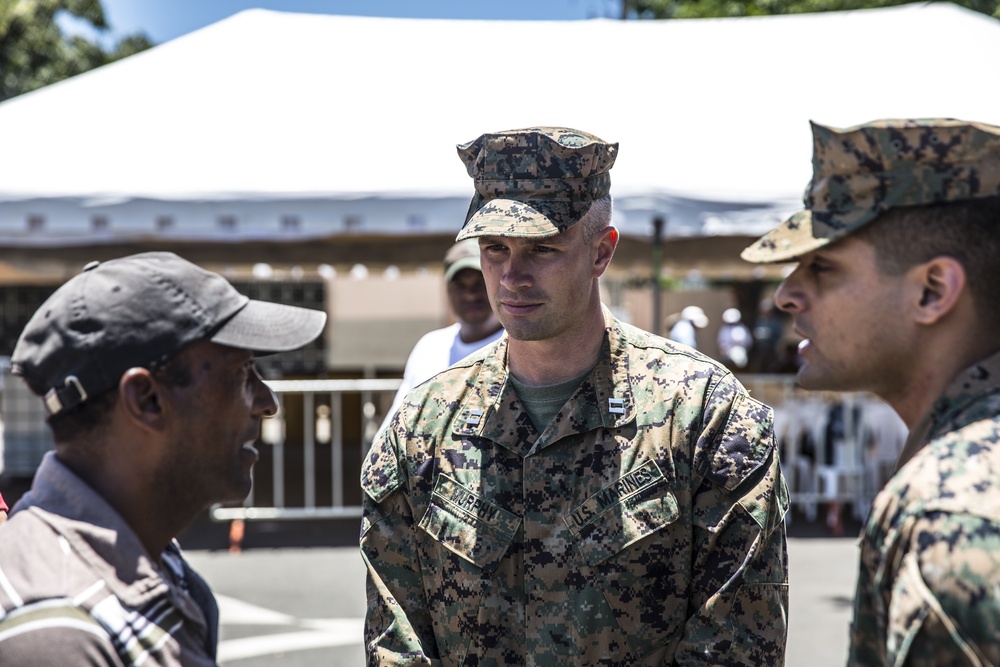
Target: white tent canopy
{"points": [[282, 126]]}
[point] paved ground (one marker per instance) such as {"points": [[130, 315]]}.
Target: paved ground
{"points": [[294, 607], [302, 606]]}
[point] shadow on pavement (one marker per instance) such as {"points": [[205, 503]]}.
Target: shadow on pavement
{"points": [[210, 535]]}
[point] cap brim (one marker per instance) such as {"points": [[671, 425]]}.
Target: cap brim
{"points": [[459, 265], [267, 327], [786, 242], [510, 217]]}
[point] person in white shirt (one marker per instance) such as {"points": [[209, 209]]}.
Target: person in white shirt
{"points": [[684, 331], [734, 339], [475, 324]]}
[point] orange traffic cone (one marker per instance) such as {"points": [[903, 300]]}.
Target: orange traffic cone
{"points": [[236, 536]]}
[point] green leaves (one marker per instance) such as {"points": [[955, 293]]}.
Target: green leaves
{"points": [[35, 51], [686, 9]]}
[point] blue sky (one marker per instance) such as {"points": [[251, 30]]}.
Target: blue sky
{"points": [[163, 20]]}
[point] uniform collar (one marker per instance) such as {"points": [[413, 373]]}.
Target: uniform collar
{"points": [[951, 409], [604, 399]]}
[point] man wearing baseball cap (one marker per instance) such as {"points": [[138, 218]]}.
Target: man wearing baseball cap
{"points": [[897, 292], [581, 492], [475, 324], [146, 367]]}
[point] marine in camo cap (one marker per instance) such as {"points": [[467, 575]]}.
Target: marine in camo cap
{"points": [[581, 492], [897, 292], [534, 182]]}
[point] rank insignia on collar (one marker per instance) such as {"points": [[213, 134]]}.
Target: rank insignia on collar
{"points": [[475, 416], [616, 406]]}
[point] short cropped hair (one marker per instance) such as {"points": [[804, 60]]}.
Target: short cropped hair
{"points": [[86, 417], [967, 231], [597, 218]]}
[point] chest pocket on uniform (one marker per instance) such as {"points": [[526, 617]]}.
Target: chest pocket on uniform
{"points": [[469, 525], [622, 533], [623, 513]]}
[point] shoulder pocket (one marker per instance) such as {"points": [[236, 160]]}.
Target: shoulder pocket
{"points": [[380, 474], [919, 631], [743, 445], [623, 513], [469, 525]]}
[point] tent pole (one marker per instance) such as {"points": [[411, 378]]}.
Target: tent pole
{"points": [[657, 260]]}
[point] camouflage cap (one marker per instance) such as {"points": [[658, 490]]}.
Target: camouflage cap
{"points": [[861, 172], [534, 182]]}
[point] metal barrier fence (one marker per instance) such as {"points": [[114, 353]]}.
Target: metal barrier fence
{"points": [[322, 424], [322, 421], [291, 479]]}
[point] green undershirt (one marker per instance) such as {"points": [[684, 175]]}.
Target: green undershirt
{"points": [[543, 403]]}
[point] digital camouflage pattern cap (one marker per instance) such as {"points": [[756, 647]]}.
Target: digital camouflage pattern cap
{"points": [[534, 182], [861, 172]]}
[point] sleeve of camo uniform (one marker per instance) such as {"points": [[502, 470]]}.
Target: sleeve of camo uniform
{"points": [[867, 640], [398, 628], [926, 591], [739, 587]]}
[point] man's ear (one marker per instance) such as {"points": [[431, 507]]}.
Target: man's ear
{"points": [[607, 241], [140, 395], [941, 282]]}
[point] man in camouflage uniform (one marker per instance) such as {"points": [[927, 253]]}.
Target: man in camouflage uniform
{"points": [[897, 292], [580, 492]]}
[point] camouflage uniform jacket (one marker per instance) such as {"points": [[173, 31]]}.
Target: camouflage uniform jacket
{"points": [[78, 588], [930, 554], [644, 526]]}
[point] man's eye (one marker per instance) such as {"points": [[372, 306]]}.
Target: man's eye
{"points": [[818, 267]]}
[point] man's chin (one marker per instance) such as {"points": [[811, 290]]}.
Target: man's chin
{"points": [[477, 317], [238, 493], [812, 379], [806, 378]]}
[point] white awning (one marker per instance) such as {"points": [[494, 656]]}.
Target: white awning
{"points": [[272, 125]]}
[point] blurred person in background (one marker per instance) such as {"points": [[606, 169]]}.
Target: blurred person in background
{"points": [[768, 337], [734, 340], [3, 510], [475, 324], [685, 329], [897, 292]]}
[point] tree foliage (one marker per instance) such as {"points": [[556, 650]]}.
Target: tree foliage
{"points": [[687, 9], [35, 51]]}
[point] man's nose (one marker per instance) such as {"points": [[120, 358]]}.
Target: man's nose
{"points": [[788, 297]]}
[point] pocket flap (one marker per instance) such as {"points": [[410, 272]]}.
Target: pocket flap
{"points": [[620, 514], [743, 445], [380, 474], [469, 525]]}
